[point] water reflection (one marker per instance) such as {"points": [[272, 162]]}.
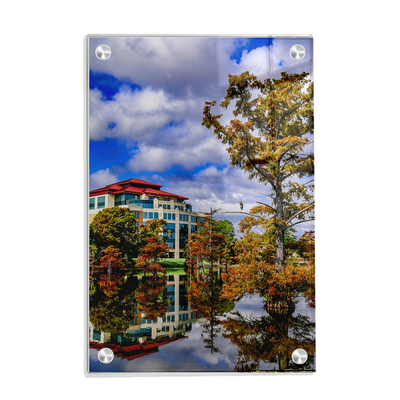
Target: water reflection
{"points": [[181, 323]]}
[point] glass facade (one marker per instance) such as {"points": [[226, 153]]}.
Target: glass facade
{"points": [[170, 240], [169, 216], [142, 203], [124, 198], [183, 235], [150, 215]]}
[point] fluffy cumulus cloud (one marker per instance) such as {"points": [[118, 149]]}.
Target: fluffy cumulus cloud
{"points": [[134, 115], [101, 178], [182, 66]]}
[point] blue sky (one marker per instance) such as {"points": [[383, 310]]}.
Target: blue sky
{"points": [[146, 106]]}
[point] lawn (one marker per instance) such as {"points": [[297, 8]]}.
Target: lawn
{"points": [[171, 263], [168, 263]]}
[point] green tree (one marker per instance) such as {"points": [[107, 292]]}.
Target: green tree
{"points": [[274, 122], [115, 226], [226, 227]]}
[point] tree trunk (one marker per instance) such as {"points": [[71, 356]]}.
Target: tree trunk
{"points": [[280, 249], [280, 234]]}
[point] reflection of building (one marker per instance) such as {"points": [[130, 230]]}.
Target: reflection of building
{"points": [[179, 316], [147, 201], [145, 336]]}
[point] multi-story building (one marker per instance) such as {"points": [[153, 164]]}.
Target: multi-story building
{"points": [[147, 201]]}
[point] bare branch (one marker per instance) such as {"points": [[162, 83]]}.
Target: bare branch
{"points": [[299, 222], [272, 208], [301, 211], [241, 212], [269, 195]]}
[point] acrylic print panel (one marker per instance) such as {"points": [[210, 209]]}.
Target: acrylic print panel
{"points": [[201, 205]]}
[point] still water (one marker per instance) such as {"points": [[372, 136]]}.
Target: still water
{"points": [[181, 324]]}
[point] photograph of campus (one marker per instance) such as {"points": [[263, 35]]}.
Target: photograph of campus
{"points": [[201, 238]]}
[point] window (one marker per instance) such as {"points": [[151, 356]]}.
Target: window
{"points": [[170, 240], [165, 216], [193, 219], [169, 215], [92, 202], [119, 199], [156, 215], [136, 213], [142, 203], [101, 202], [145, 214], [193, 229], [183, 236], [173, 217], [150, 215]]}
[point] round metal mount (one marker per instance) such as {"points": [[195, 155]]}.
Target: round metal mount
{"points": [[297, 52], [105, 355], [103, 52], [299, 356]]}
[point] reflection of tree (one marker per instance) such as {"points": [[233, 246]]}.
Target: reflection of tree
{"points": [[205, 300], [271, 338], [151, 296], [111, 303]]}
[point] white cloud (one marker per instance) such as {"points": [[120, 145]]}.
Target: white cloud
{"points": [[181, 66], [101, 178], [161, 157], [134, 115]]}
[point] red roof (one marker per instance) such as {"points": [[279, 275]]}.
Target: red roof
{"points": [[132, 189], [115, 187], [136, 181], [149, 188], [162, 193], [133, 351]]}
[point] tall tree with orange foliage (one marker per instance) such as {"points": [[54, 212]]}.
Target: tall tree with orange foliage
{"points": [[268, 139]]}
